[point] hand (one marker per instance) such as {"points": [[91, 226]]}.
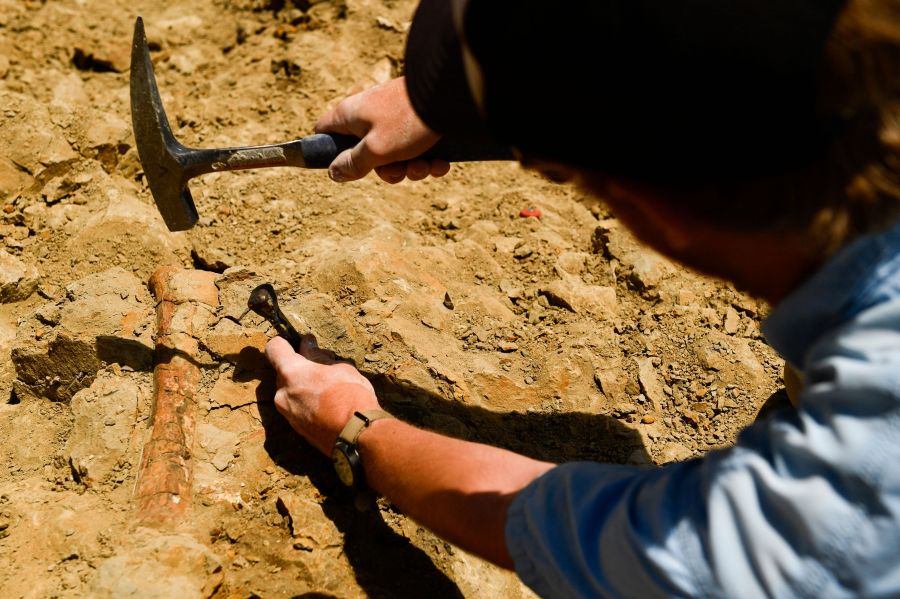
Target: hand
{"points": [[391, 135], [316, 394]]}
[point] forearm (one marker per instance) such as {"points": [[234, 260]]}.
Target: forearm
{"points": [[459, 490]]}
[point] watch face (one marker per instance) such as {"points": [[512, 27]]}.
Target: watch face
{"points": [[342, 466]]}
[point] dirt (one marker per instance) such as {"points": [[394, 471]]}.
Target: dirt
{"points": [[558, 337]]}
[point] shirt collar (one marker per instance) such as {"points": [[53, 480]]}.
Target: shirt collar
{"points": [[864, 273]]}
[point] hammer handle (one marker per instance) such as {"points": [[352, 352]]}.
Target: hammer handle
{"points": [[321, 149]]}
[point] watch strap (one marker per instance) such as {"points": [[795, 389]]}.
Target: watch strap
{"points": [[358, 423]]}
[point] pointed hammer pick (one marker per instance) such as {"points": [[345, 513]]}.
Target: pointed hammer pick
{"points": [[169, 165]]}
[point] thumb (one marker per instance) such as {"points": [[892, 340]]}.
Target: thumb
{"points": [[352, 164], [280, 353]]}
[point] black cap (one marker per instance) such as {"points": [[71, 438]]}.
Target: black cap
{"points": [[660, 90]]}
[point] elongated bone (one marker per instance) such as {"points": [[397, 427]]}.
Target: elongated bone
{"points": [[184, 298]]}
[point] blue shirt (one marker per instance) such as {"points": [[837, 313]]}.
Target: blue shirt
{"points": [[806, 504]]}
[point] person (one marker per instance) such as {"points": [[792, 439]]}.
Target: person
{"points": [[755, 141]]}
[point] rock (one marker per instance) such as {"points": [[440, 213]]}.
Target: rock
{"points": [[186, 60], [237, 394], [17, 279], [235, 285], [572, 294], [650, 383], [102, 57], [218, 444], [732, 358], [28, 137], [686, 297], [385, 23], [448, 302], [70, 94], [523, 251], [611, 381], [245, 348], [468, 251], [310, 528], [106, 317], [159, 567], [731, 322], [648, 268], [336, 329], [211, 258], [509, 290], [381, 72], [648, 419], [572, 262], [59, 188], [12, 178], [506, 245], [126, 221], [507, 346], [674, 452], [104, 132], [104, 415], [432, 314], [622, 409]]}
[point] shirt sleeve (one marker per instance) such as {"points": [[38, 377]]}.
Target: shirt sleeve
{"points": [[807, 503], [435, 74]]}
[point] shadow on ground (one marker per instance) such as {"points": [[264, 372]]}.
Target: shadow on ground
{"points": [[386, 564]]}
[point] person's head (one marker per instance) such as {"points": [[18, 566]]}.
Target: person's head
{"points": [[853, 185], [850, 187], [763, 118]]}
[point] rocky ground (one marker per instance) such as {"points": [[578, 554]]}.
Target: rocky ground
{"points": [[557, 336]]}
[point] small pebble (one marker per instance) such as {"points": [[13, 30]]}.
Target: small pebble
{"points": [[648, 419], [523, 251]]}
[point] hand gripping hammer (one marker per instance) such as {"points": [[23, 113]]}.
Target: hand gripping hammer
{"points": [[169, 165]]}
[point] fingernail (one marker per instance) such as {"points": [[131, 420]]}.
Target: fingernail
{"points": [[337, 176]]}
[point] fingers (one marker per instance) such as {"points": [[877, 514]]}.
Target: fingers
{"points": [[439, 168], [280, 354], [416, 170], [392, 173]]}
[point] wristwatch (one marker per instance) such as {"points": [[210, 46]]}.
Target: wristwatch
{"points": [[345, 454]]}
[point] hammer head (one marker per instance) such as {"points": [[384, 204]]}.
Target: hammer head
{"points": [[163, 158]]}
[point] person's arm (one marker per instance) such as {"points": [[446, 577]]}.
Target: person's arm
{"points": [[804, 504], [458, 489], [401, 119]]}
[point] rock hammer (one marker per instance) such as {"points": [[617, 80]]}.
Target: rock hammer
{"points": [[169, 165]]}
